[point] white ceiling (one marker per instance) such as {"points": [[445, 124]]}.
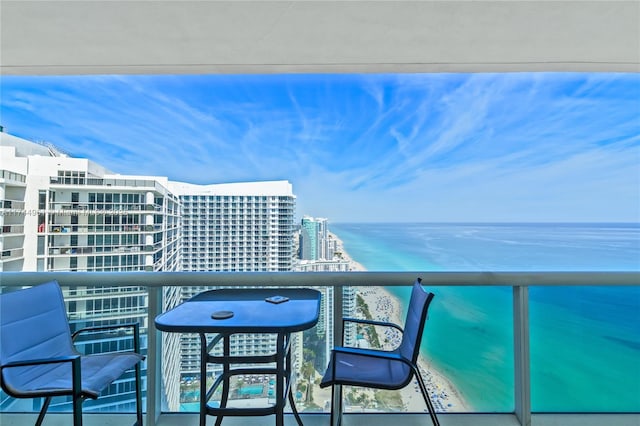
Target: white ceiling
{"points": [[150, 37]]}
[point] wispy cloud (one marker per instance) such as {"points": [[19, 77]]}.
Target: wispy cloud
{"points": [[362, 147]]}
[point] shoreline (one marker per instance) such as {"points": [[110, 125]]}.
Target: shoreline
{"points": [[444, 395]]}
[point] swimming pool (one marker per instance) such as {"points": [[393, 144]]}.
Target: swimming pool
{"points": [[251, 390]]}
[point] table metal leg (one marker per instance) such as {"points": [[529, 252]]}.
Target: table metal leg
{"points": [[295, 410], [203, 380], [226, 369], [280, 375], [289, 372]]}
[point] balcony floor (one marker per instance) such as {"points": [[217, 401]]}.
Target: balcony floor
{"points": [[55, 419]]}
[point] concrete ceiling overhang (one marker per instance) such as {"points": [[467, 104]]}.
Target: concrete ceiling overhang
{"points": [[176, 37]]}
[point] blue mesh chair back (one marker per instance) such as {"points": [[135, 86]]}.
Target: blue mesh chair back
{"points": [[380, 369], [34, 325], [414, 323]]}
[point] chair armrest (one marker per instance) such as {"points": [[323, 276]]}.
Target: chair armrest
{"points": [[369, 322], [373, 322], [393, 356], [134, 325], [41, 361], [76, 378], [104, 327]]}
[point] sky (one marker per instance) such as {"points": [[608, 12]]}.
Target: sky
{"points": [[509, 147]]}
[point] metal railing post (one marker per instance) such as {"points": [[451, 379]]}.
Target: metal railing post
{"points": [[522, 382], [338, 291], [338, 310], [154, 357]]}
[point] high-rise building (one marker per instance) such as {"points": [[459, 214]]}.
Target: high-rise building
{"points": [[237, 226], [314, 239], [70, 214]]}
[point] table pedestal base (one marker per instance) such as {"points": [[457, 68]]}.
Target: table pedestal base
{"points": [[281, 371]]}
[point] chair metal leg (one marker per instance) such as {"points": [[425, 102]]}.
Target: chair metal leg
{"points": [[43, 410], [77, 412], [76, 380], [425, 395], [333, 400], [138, 396], [340, 405], [136, 349], [339, 419]]}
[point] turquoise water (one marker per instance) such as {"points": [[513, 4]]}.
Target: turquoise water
{"points": [[251, 390], [195, 406], [585, 341]]}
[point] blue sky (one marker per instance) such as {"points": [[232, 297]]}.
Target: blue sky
{"points": [[516, 147]]}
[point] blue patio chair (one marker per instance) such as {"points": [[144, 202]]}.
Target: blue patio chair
{"points": [[38, 359], [381, 369]]}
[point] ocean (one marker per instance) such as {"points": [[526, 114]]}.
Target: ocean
{"points": [[585, 341]]}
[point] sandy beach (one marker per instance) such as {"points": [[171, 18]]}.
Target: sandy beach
{"points": [[386, 307]]}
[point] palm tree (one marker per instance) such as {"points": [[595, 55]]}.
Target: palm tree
{"points": [[308, 372]]}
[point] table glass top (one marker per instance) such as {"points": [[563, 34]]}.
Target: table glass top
{"points": [[251, 313]]}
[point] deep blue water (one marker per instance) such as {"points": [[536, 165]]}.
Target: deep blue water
{"points": [[585, 341]]}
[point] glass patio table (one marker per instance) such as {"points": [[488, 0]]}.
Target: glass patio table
{"points": [[226, 312]]}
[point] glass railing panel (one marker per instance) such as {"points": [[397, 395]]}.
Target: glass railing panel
{"points": [[466, 356], [316, 346], [468, 338], [585, 347]]}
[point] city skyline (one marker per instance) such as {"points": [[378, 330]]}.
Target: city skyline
{"points": [[520, 147]]}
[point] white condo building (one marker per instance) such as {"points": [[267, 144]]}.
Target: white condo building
{"points": [[237, 226]]}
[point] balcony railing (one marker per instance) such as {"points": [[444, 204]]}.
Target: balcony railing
{"points": [[12, 176], [109, 182], [12, 204], [63, 207], [11, 254], [11, 229], [519, 282]]}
